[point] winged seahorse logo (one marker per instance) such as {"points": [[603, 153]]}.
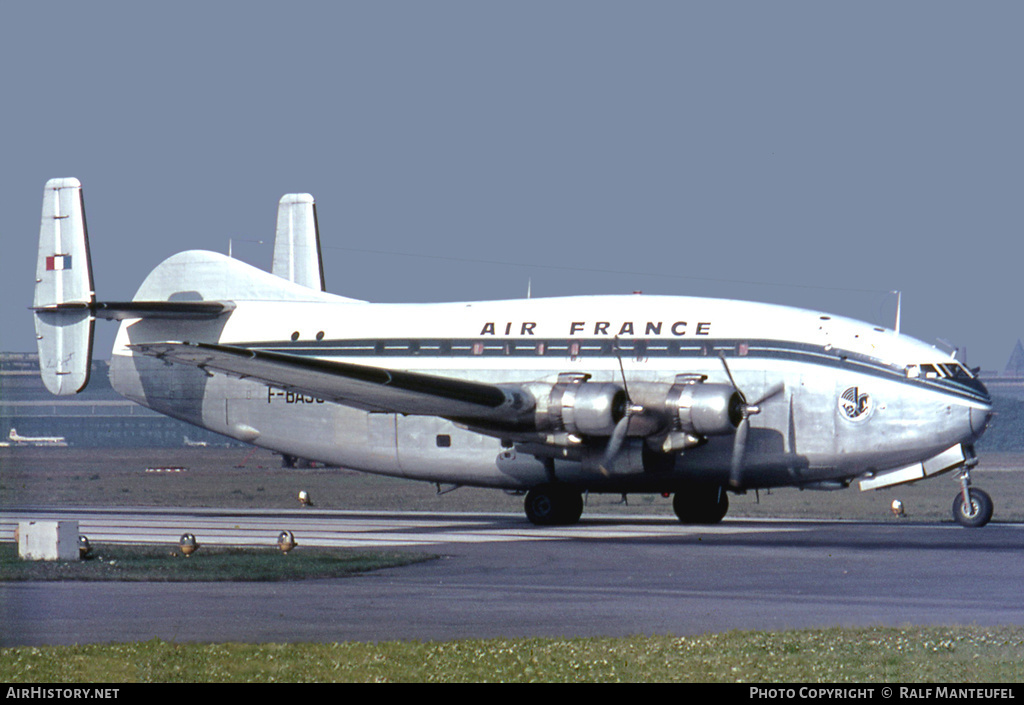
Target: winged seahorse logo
{"points": [[854, 404]]}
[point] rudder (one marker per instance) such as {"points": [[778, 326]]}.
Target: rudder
{"points": [[64, 294]]}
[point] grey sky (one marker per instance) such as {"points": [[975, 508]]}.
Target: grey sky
{"points": [[813, 154]]}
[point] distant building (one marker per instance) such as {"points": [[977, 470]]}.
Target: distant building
{"points": [[1006, 432], [1015, 366], [97, 418], [1010, 382]]}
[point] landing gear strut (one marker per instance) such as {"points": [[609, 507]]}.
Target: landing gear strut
{"points": [[701, 505], [553, 505], [971, 507]]}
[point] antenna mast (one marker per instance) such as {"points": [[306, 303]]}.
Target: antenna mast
{"points": [[899, 296]]}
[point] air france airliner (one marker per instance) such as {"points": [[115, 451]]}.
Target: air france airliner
{"points": [[550, 397]]}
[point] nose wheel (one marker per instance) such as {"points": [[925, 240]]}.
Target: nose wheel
{"points": [[971, 507]]}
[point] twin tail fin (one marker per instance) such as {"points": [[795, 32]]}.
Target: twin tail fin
{"points": [[64, 303], [64, 295]]}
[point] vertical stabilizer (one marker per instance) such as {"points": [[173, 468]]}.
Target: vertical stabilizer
{"points": [[64, 292], [297, 242]]}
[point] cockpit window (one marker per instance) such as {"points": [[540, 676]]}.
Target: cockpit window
{"points": [[959, 371], [944, 370]]}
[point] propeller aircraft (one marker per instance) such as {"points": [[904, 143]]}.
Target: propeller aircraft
{"points": [[550, 397]]}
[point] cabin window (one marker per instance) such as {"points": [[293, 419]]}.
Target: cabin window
{"points": [[444, 440]]}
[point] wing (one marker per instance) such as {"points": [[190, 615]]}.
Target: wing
{"points": [[361, 386]]}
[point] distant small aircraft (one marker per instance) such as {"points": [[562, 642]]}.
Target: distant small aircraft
{"points": [[195, 444], [36, 440], [552, 397]]}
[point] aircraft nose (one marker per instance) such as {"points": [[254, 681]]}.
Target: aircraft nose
{"points": [[980, 418], [982, 414]]}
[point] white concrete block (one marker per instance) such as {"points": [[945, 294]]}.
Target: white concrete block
{"points": [[48, 540]]}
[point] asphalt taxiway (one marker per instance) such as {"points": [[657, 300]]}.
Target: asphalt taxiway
{"points": [[499, 576]]}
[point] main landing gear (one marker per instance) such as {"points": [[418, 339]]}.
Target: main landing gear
{"points": [[701, 505], [971, 507], [553, 505], [560, 505]]}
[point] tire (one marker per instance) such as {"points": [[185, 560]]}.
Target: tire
{"points": [[551, 505], [701, 505], [979, 513]]}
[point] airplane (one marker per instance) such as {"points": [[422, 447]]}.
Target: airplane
{"points": [[36, 440], [548, 397], [189, 443]]}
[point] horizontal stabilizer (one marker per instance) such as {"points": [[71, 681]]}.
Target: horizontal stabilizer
{"points": [[361, 386], [190, 310], [64, 290], [123, 310]]}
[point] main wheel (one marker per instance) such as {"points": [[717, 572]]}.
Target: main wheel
{"points": [[978, 513], [701, 505], [551, 505]]}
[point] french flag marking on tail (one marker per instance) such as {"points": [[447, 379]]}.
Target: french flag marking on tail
{"points": [[58, 262]]}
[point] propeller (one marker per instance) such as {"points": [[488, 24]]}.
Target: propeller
{"points": [[621, 429], [746, 410]]}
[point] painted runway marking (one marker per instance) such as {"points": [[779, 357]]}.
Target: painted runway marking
{"points": [[359, 530]]}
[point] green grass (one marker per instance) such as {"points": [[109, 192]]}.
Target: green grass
{"points": [[946, 655], [167, 564]]}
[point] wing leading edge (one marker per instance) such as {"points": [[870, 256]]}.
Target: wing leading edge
{"points": [[361, 386]]}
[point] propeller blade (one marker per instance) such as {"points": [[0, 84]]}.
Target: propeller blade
{"points": [[721, 356], [615, 442], [772, 391], [622, 369], [739, 449]]}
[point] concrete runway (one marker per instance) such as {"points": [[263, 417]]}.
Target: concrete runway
{"points": [[501, 577]]}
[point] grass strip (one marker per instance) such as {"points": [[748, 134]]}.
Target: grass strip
{"points": [[958, 655], [167, 564]]}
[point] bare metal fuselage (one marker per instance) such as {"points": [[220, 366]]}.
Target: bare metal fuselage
{"points": [[601, 393], [807, 436]]}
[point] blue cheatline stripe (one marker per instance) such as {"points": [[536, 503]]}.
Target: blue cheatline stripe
{"points": [[586, 348]]}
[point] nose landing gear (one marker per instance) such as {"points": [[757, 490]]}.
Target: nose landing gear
{"points": [[971, 507]]}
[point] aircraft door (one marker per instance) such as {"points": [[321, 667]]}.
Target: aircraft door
{"points": [[811, 428]]}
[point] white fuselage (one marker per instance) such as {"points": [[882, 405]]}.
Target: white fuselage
{"points": [[856, 399]]}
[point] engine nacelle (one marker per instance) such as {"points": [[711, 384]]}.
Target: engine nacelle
{"points": [[705, 409], [582, 408]]}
